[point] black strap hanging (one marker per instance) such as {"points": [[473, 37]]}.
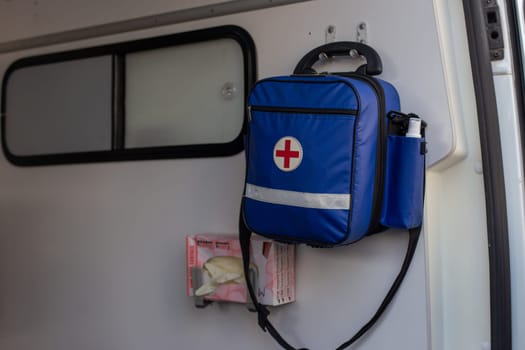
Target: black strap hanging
{"points": [[263, 312]]}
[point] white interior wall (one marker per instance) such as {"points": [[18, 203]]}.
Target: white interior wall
{"points": [[92, 256], [29, 18]]}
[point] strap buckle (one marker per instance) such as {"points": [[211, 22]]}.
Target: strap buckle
{"points": [[262, 317]]}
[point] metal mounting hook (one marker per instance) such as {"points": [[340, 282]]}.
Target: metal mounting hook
{"points": [[330, 33], [362, 35]]}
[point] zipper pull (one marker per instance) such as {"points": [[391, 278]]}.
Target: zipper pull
{"points": [[249, 114]]}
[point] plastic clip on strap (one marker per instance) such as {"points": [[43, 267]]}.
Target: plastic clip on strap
{"points": [[262, 312]]}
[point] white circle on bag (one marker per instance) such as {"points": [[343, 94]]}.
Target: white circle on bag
{"points": [[287, 153]]}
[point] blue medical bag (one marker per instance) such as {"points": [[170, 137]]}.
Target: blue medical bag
{"points": [[330, 159]]}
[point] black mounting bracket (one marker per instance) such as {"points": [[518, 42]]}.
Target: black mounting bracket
{"points": [[493, 27]]}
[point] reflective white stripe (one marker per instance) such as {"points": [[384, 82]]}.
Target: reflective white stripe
{"points": [[298, 199]]}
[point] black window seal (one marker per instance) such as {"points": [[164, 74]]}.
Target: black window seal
{"points": [[516, 44], [118, 51], [493, 177]]}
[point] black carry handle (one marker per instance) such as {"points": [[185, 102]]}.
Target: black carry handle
{"points": [[373, 65]]}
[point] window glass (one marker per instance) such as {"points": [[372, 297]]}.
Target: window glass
{"points": [[61, 107], [184, 95]]}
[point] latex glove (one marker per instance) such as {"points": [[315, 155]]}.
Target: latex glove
{"points": [[221, 270]]}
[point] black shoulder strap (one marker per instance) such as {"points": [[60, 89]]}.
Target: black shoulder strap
{"points": [[412, 245], [263, 312]]}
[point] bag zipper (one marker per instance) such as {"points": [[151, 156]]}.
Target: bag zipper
{"points": [[379, 184], [304, 110]]}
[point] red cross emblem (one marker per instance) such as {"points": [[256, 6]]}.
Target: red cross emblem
{"points": [[287, 153]]}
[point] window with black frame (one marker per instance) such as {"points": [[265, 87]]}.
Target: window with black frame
{"points": [[175, 96]]}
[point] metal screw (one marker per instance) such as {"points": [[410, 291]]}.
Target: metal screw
{"points": [[323, 57], [330, 29], [362, 26]]}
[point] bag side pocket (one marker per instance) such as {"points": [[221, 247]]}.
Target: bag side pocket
{"points": [[403, 196]]}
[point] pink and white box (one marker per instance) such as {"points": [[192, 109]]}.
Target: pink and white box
{"points": [[273, 261]]}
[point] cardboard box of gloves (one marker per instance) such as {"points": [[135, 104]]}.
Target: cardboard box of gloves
{"points": [[218, 259]]}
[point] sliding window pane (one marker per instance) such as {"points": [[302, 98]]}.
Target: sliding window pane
{"points": [[58, 108], [184, 95]]}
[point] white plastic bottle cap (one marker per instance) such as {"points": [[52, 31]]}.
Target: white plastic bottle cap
{"points": [[414, 128]]}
